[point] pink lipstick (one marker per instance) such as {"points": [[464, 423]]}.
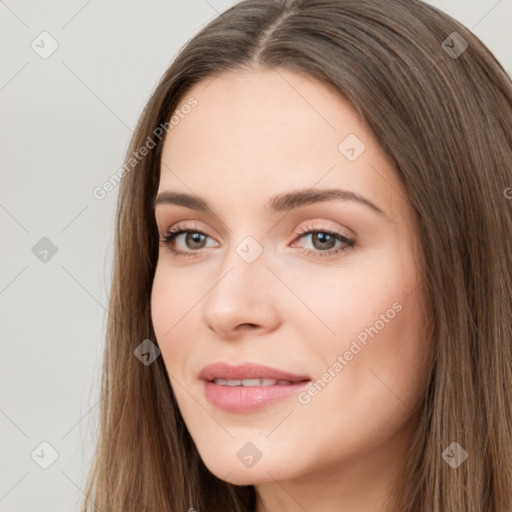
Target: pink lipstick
{"points": [[248, 387]]}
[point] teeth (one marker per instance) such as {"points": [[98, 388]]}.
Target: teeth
{"points": [[251, 382]]}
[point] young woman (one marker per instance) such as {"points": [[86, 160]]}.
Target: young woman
{"points": [[311, 298]]}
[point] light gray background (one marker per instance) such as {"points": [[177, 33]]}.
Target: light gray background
{"points": [[65, 125]]}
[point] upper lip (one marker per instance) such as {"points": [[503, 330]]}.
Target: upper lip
{"points": [[222, 370]]}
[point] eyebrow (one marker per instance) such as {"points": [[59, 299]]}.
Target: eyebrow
{"points": [[279, 203]]}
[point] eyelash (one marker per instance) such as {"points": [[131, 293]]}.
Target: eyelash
{"points": [[180, 229]]}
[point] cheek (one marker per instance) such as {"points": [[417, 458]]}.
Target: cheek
{"points": [[161, 303], [339, 302], [381, 375], [169, 306], [380, 337], [373, 310], [173, 294]]}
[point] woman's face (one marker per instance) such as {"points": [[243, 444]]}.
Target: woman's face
{"points": [[314, 284]]}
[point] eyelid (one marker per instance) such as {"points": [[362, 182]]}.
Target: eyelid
{"points": [[315, 225], [179, 228]]}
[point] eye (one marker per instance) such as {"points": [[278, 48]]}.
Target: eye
{"points": [[194, 238], [323, 241]]}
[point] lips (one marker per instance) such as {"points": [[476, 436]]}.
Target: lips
{"points": [[252, 382], [242, 372], [248, 387]]}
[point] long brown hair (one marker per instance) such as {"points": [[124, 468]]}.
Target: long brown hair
{"points": [[443, 112]]}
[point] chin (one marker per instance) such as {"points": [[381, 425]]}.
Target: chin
{"points": [[237, 474]]}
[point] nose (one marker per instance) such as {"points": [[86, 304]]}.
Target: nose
{"points": [[242, 298]]}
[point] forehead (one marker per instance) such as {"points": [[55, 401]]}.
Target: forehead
{"points": [[260, 132]]}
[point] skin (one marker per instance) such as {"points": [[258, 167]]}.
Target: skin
{"points": [[254, 134]]}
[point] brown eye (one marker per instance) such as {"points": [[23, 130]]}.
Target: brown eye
{"points": [[324, 241], [194, 240]]}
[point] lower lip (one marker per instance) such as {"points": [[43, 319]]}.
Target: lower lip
{"points": [[249, 398]]}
